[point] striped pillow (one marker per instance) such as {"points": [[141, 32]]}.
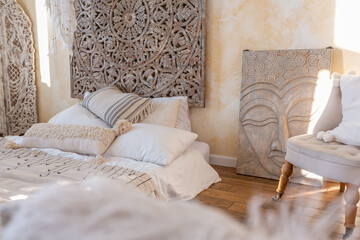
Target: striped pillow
{"points": [[110, 104]]}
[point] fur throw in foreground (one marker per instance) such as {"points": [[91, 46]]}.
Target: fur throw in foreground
{"points": [[99, 209]]}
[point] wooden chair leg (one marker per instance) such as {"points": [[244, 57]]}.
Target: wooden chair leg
{"points": [[342, 187], [351, 199], [286, 172]]}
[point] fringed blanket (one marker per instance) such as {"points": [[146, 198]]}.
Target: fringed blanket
{"points": [[22, 171]]}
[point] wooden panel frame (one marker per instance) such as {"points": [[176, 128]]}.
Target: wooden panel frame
{"points": [[277, 102], [155, 48]]}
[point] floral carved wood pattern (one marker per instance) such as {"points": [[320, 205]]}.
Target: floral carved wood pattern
{"points": [[277, 101], [17, 77], [155, 48]]}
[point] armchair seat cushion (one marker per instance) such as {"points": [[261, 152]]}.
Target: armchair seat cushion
{"points": [[332, 160]]}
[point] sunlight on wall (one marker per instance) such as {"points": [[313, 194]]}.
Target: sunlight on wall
{"points": [[347, 17], [41, 19], [321, 97]]}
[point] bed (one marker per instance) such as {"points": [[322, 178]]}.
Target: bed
{"points": [[138, 158], [182, 180]]}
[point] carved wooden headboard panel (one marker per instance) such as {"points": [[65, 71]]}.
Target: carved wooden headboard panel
{"points": [[17, 77], [154, 48]]}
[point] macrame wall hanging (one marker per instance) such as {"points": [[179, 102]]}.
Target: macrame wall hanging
{"points": [[17, 78], [62, 13], [154, 48]]}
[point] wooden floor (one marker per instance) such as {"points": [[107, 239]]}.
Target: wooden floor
{"points": [[234, 192]]}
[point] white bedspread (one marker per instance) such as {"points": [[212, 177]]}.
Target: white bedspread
{"points": [[186, 177], [23, 171]]}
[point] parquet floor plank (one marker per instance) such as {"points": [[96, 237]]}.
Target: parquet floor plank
{"points": [[234, 193]]}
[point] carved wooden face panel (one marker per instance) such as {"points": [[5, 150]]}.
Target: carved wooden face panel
{"points": [[271, 115], [276, 103], [150, 47]]}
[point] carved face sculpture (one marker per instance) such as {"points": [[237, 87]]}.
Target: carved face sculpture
{"points": [[278, 92], [270, 115]]}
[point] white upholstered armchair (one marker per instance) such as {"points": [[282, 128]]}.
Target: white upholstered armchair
{"points": [[332, 160]]}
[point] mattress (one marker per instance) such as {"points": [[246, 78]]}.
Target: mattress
{"points": [[203, 148]]}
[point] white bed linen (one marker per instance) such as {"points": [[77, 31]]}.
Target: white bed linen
{"points": [[186, 177], [203, 148]]}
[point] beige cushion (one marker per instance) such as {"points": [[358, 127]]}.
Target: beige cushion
{"points": [[183, 118], [332, 160], [165, 106], [81, 139], [165, 113]]}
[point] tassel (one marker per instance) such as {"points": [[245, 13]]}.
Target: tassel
{"points": [[11, 145], [144, 113], [98, 160], [328, 137], [121, 127], [320, 135]]}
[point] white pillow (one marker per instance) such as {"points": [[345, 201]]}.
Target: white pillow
{"points": [[78, 115], [348, 131], [164, 113], [151, 143], [81, 139]]}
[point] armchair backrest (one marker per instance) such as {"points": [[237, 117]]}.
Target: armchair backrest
{"points": [[332, 114]]}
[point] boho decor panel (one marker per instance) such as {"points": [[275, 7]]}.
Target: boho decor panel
{"points": [[154, 48], [17, 78], [276, 103]]}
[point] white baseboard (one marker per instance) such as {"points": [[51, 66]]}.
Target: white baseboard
{"points": [[223, 161]]}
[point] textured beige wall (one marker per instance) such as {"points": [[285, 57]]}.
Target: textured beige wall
{"points": [[232, 26], [53, 88]]}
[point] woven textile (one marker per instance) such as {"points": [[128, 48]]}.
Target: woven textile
{"points": [[110, 104]]}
